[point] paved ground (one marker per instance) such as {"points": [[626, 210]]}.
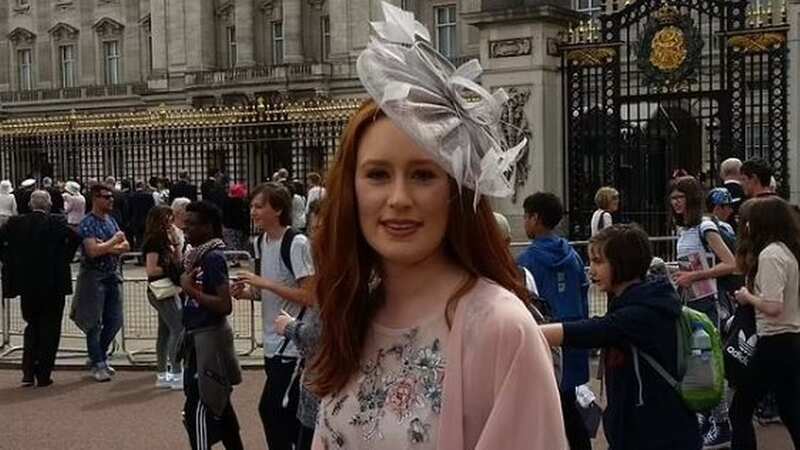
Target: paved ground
{"points": [[129, 413]]}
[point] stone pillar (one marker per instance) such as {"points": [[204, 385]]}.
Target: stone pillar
{"points": [[245, 37], [516, 52], [292, 32], [340, 29], [176, 12]]}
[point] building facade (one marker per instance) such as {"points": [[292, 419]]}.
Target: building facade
{"points": [[106, 55]]}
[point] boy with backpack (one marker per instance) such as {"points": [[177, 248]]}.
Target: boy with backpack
{"points": [[652, 396], [561, 280], [284, 267]]}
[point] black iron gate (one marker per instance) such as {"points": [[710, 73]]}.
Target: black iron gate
{"points": [[247, 143], [657, 86]]}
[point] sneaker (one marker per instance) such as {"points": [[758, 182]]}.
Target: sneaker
{"points": [[163, 381], [176, 381], [702, 423], [100, 374], [767, 412], [718, 435], [111, 371]]}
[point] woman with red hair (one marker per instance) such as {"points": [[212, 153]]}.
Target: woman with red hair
{"points": [[425, 340]]}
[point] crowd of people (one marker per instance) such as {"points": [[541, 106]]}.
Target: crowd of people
{"points": [[394, 314]]}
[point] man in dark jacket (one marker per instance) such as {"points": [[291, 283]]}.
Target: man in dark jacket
{"points": [[183, 188], [55, 195], [213, 189], [140, 203], [37, 249], [560, 277]]}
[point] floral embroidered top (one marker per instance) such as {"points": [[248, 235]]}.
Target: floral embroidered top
{"points": [[395, 399]]}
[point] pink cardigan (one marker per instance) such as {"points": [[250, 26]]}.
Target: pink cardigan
{"points": [[500, 391]]}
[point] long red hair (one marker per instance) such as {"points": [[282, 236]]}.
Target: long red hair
{"points": [[347, 266]]}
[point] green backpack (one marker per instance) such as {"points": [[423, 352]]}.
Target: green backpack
{"points": [[700, 362]]}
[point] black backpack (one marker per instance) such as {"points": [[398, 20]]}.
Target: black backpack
{"points": [[286, 248]]}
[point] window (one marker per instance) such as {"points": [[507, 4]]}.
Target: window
{"points": [[25, 63], [66, 56], [445, 19], [326, 37], [231, 35], [277, 43], [407, 5], [149, 53], [111, 57], [588, 6]]}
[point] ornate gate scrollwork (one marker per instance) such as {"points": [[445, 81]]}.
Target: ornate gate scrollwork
{"points": [[663, 85]]}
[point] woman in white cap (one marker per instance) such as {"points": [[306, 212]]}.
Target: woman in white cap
{"points": [[8, 203], [74, 204]]}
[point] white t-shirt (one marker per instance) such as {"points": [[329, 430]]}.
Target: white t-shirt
{"points": [[689, 240], [690, 244], [599, 215], [778, 279], [272, 267]]}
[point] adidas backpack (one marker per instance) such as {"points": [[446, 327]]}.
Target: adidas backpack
{"points": [[700, 362]]}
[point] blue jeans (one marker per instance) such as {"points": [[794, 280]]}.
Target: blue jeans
{"points": [[99, 338]]}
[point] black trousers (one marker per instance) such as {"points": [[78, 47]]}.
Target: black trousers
{"points": [[577, 435], [204, 428], [42, 335], [774, 365], [281, 426], [305, 439]]}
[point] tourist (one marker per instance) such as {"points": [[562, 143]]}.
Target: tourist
{"points": [[316, 191], [74, 204], [236, 218], [561, 280], [607, 201], [756, 178], [162, 253], [643, 411], [703, 257], [183, 188], [212, 368], [768, 255], [97, 304], [282, 284], [37, 249], [8, 203]]}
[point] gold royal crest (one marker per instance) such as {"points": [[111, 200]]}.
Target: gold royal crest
{"points": [[668, 49]]}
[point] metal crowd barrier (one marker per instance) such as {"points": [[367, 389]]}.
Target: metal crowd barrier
{"points": [[14, 325], [140, 325]]}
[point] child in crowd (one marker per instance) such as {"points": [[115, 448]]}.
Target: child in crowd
{"points": [[643, 412]]}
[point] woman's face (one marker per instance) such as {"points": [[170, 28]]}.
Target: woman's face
{"points": [[678, 201], [600, 269], [402, 196]]}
